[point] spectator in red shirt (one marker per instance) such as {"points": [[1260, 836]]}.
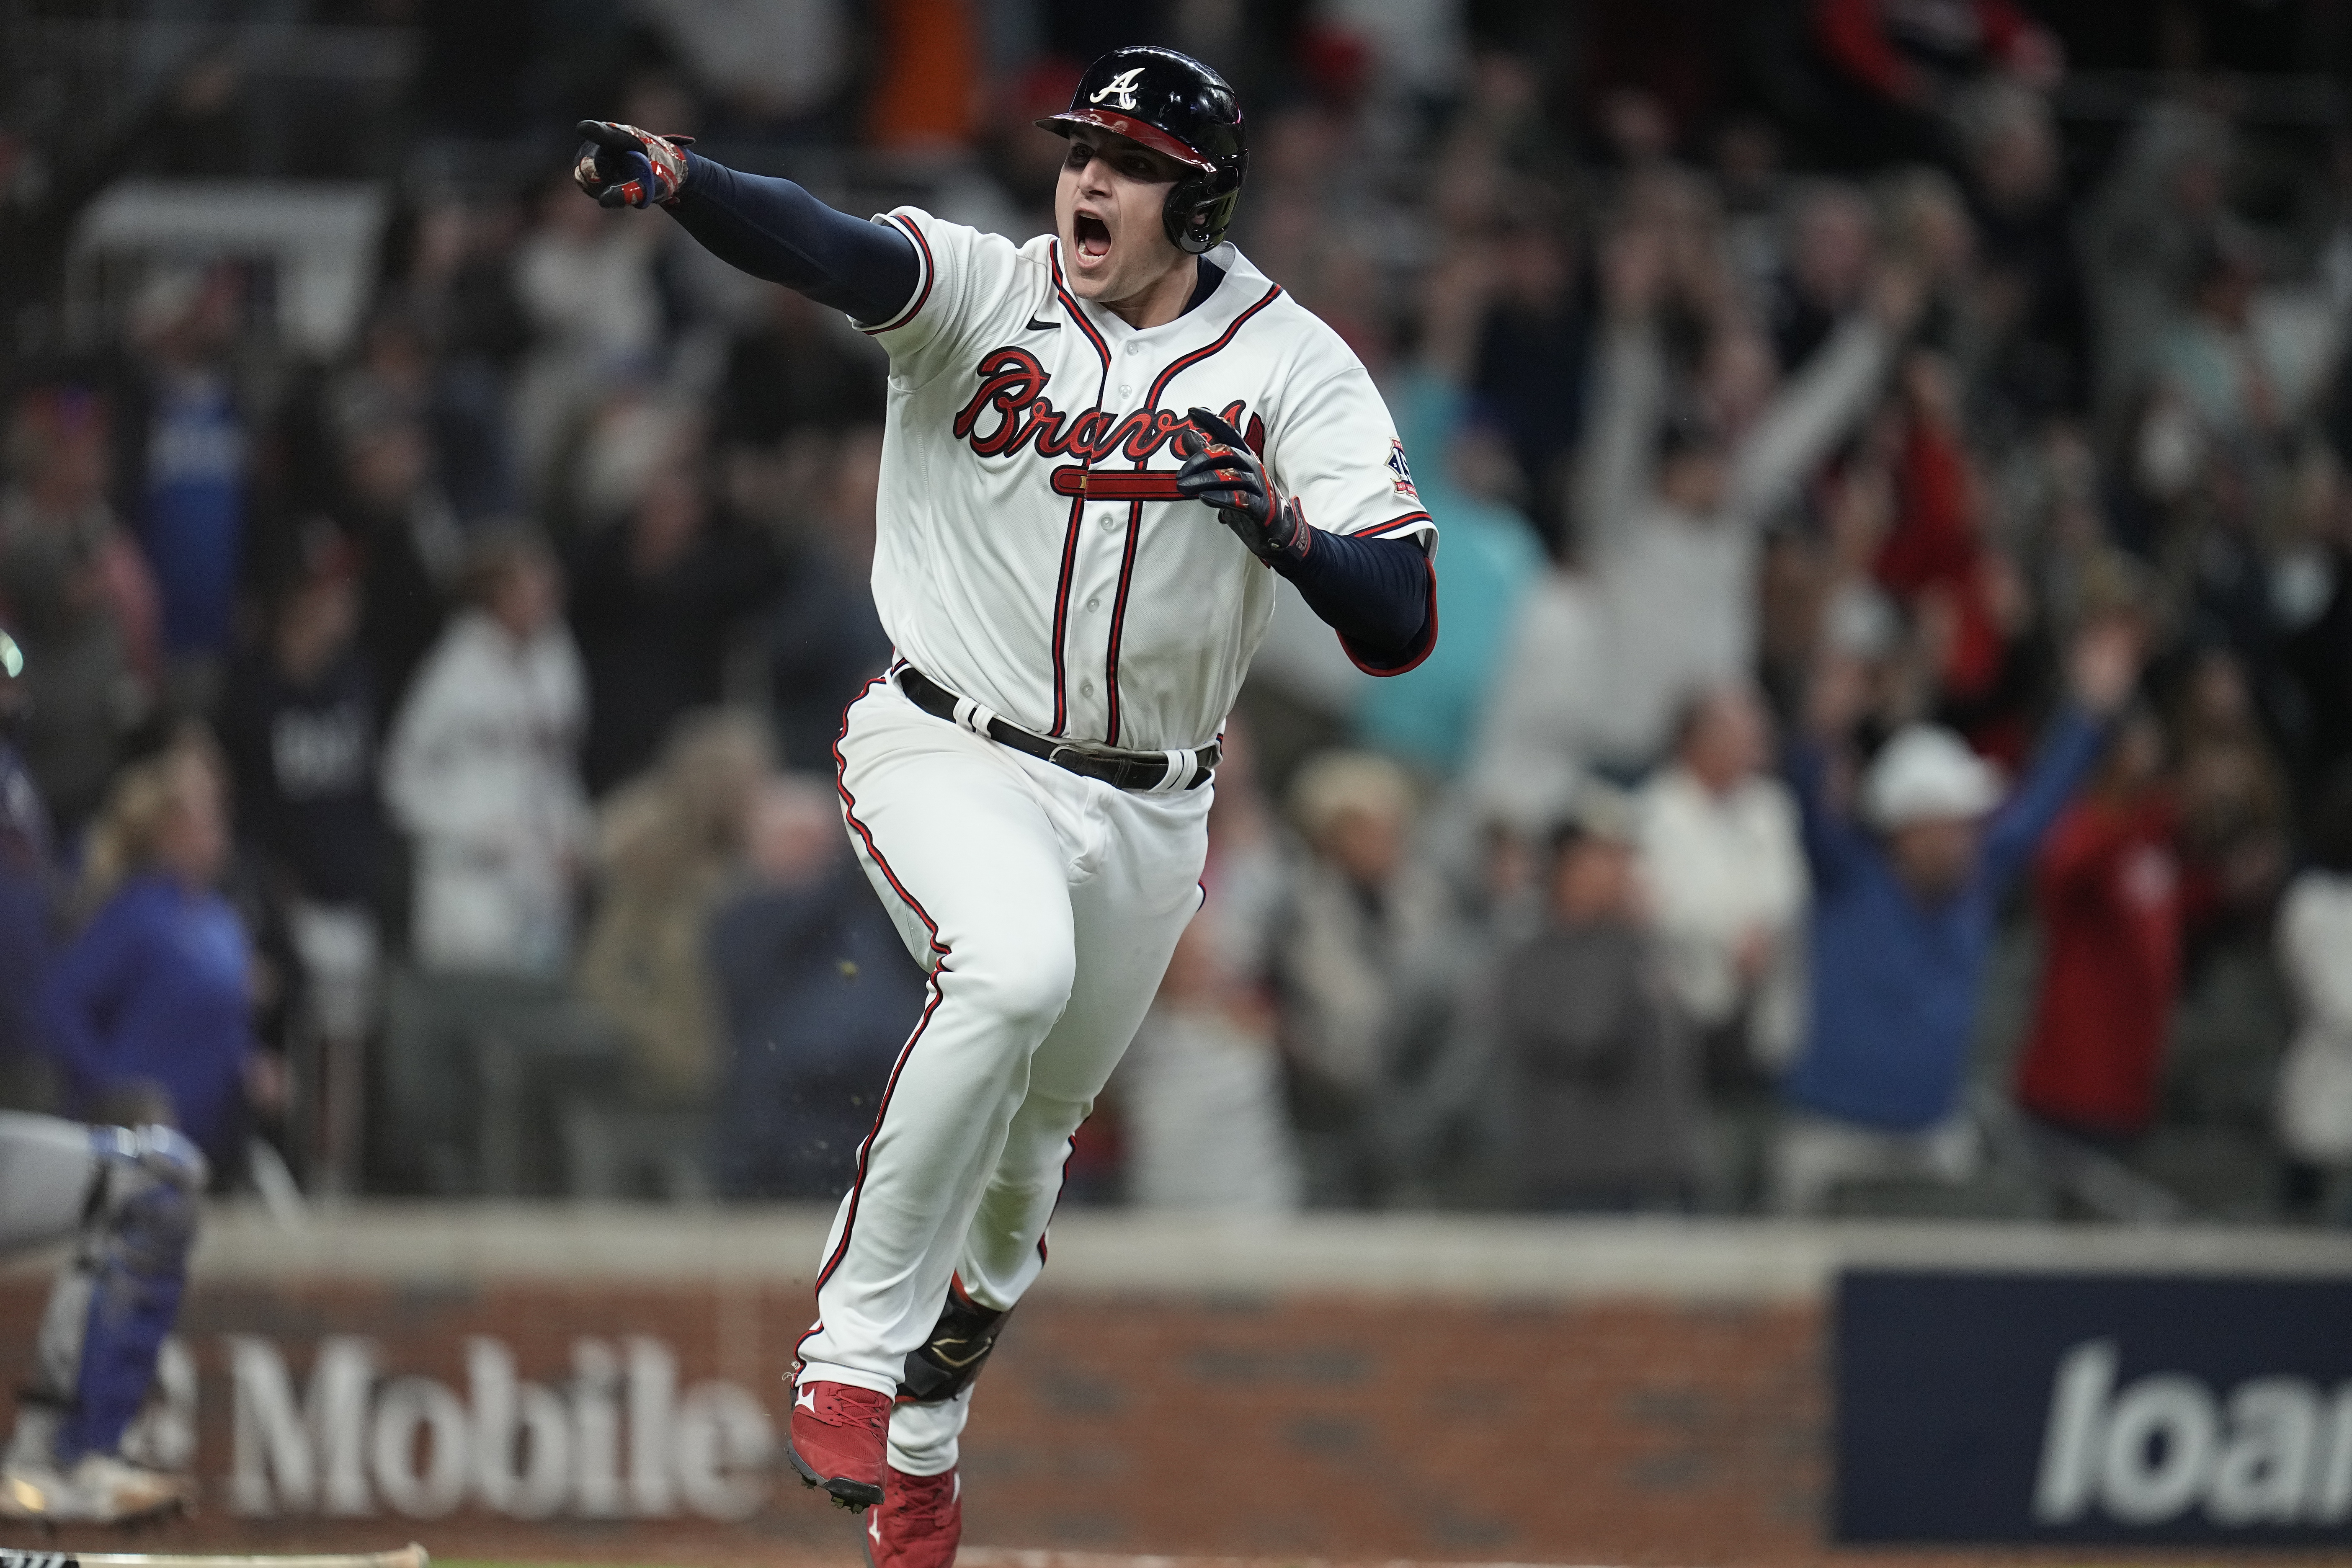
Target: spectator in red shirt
{"points": [[1961, 594], [2108, 887]]}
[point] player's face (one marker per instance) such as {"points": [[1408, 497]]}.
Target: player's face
{"points": [[1107, 208]]}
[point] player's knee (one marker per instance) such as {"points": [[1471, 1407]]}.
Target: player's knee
{"points": [[1040, 1132], [1025, 983], [154, 1177]]}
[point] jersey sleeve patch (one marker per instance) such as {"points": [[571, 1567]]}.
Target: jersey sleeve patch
{"points": [[1401, 472]]}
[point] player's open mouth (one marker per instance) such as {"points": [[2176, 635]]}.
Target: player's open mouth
{"points": [[1092, 235]]}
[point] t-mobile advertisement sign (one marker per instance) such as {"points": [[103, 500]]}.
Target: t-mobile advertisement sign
{"points": [[2070, 1407], [617, 1439]]}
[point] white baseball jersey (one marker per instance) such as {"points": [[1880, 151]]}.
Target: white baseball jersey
{"points": [[1032, 552]]}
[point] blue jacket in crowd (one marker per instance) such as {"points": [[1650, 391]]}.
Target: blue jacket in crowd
{"points": [[155, 988], [1895, 982]]}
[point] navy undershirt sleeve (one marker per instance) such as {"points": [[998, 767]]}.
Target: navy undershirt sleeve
{"points": [[774, 229], [1379, 594]]}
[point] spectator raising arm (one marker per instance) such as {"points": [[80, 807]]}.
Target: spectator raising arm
{"points": [[1836, 846], [1618, 477], [1816, 409], [2103, 670]]}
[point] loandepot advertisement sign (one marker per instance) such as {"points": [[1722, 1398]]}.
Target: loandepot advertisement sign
{"points": [[344, 1434], [2109, 1408]]}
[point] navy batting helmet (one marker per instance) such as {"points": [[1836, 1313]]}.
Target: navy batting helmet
{"points": [[1172, 104]]}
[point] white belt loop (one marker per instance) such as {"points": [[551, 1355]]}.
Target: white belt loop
{"points": [[1180, 768], [971, 716]]}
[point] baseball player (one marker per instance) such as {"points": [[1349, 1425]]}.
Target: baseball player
{"points": [[1027, 784], [129, 1193]]}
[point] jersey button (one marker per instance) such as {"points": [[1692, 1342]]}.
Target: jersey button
{"points": [[1109, 521], [1086, 689], [1135, 348], [1124, 391], [1095, 603]]}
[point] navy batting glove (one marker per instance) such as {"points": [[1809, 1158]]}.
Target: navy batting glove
{"points": [[1220, 470], [623, 166]]}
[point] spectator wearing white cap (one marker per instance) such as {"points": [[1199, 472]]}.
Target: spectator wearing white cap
{"points": [[1904, 904]]}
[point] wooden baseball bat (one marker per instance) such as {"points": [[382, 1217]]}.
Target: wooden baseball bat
{"points": [[409, 1556]]}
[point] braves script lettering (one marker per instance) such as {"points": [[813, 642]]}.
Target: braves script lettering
{"points": [[1010, 411]]}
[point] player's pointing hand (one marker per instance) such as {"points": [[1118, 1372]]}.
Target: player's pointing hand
{"points": [[623, 166], [1220, 470]]}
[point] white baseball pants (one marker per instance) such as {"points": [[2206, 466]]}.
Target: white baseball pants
{"points": [[1045, 906]]}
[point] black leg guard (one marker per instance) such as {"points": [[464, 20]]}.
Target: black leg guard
{"points": [[947, 1360]]}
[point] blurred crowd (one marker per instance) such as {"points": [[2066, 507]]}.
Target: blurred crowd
{"points": [[1889, 748]]}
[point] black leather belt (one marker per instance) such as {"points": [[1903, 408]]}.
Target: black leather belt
{"points": [[1156, 773]]}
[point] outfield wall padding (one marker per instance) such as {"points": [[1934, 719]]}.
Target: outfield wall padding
{"points": [[560, 1381]]}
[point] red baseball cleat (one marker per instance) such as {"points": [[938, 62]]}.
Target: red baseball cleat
{"points": [[839, 1435], [918, 1523]]}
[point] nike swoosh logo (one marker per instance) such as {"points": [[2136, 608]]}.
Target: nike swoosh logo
{"points": [[807, 1400], [941, 1353], [1037, 326]]}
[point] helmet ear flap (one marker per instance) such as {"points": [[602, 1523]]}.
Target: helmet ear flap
{"points": [[1200, 208]]}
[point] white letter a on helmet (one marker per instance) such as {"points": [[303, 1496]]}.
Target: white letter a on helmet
{"points": [[1122, 84]]}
